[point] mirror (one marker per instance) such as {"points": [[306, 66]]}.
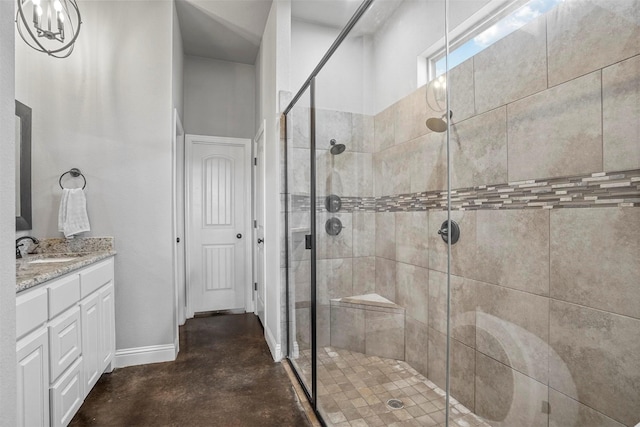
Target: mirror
{"points": [[23, 167]]}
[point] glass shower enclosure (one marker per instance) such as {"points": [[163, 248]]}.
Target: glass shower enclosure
{"points": [[462, 222]]}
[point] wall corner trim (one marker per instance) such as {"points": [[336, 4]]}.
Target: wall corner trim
{"points": [[145, 355], [274, 347]]}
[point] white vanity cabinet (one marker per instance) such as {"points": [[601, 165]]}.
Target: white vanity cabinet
{"points": [[66, 340]]}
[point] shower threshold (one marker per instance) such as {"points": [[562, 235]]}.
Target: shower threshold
{"points": [[354, 390]]}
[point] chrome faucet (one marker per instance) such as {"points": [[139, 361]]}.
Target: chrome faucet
{"points": [[19, 244]]}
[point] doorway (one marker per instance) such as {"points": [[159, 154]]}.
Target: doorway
{"points": [[177, 190], [218, 224], [258, 197]]}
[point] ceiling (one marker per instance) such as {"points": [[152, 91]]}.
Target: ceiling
{"points": [[336, 13], [231, 30], [228, 30]]}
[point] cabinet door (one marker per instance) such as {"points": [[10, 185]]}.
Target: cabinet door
{"points": [[64, 341], [67, 395], [90, 319], [107, 326], [32, 354]]}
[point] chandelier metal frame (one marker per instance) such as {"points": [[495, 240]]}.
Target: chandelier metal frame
{"points": [[32, 37]]}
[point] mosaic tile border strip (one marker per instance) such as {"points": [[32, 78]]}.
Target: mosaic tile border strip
{"points": [[600, 189]]}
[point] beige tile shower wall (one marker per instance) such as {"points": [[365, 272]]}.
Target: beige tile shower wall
{"points": [[562, 126], [621, 112], [587, 35], [544, 303], [591, 354], [512, 68], [346, 262]]}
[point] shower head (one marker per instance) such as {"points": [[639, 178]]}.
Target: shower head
{"points": [[336, 148], [438, 124]]}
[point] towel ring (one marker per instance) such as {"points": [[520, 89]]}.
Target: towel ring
{"points": [[74, 172]]}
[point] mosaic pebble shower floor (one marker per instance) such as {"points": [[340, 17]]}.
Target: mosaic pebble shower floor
{"points": [[354, 388]]}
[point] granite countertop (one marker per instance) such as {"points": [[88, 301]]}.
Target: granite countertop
{"points": [[57, 257]]}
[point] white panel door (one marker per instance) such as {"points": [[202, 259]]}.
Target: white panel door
{"points": [[217, 225], [259, 218]]}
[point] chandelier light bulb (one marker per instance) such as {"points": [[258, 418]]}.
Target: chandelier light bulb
{"points": [[39, 10], [57, 6]]}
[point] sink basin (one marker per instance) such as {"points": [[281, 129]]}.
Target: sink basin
{"points": [[51, 260]]}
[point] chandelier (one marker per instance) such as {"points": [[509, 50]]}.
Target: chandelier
{"points": [[53, 28]]}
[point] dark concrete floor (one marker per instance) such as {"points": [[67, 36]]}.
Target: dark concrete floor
{"points": [[224, 376]]}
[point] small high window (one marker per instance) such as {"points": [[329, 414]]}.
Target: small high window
{"points": [[493, 22]]}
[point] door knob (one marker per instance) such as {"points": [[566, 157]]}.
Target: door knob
{"points": [[260, 240], [239, 236]]}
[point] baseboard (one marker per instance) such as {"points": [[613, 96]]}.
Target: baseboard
{"points": [[274, 346], [145, 355]]}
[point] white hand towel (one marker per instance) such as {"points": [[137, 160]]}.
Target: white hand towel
{"points": [[72, 216]]}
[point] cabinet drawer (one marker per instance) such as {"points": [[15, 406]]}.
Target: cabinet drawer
{"points": [[31, 311], [67, 395], [64, 342], [92, 278], [63, 294]]}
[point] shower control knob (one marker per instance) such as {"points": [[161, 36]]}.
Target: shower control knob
{"points": [[446, 234], [333, 226], [332, 203]]}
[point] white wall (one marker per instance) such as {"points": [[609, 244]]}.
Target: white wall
{"points": [[258, 91], [7, 220], [415, 26], [219, 98], [107, 110], [274, 75], [178, 65], [309, 43], [344, 84]]}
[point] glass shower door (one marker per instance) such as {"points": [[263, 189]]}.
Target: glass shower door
{"points": [[545, 159], [299, 180]]}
